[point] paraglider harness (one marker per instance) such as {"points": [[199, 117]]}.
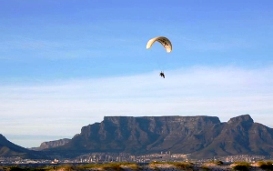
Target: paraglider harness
{"points": [[162, 74]]}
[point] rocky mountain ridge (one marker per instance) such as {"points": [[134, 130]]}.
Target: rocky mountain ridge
{"points": [[200, 136], [51, 144]]}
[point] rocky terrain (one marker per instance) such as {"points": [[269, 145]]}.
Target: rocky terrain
{"points": [[51, 144], [199, 136]]}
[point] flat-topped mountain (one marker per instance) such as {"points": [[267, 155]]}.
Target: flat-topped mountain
{"points": [[201, 136]]}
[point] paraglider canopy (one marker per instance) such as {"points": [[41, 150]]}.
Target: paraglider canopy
{"points": [[164, 41]]}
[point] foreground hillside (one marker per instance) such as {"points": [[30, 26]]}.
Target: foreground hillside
{"points": [[200, 136]]}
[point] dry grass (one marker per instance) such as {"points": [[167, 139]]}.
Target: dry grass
{"points": [[110, 166], [210, 165], [171, 165], [65, 167], [213, 163]]}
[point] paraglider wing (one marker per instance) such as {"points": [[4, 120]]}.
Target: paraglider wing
{"points": [[165, 42]]}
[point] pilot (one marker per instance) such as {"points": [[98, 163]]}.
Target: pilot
{"points": [[162, 74]]}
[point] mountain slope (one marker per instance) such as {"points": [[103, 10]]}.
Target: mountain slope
{"points": [[200, 136], [240, 135], [139, 135], [203, 136], [8, 149], [51, 144]]}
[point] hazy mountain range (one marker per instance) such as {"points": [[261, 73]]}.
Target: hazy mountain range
{"points": [[200, 136]]}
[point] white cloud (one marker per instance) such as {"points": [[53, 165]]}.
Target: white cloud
{"points": [[66, 106], [214, 43], [15, 46]]}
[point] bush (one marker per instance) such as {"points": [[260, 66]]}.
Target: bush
{"points": [[178, 165], [241, 166], [265, 165], [112, 167], [183, 165], [218, 162], [15, 168], [205, 168], [119, 166]]}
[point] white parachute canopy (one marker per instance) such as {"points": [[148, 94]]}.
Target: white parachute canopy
{"points": [[164, 41]]}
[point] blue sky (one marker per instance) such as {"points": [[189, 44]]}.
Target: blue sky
{"points": [[68, 63]]}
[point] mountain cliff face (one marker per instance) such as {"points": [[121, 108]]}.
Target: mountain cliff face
{"points": [[146, 134], [51, 144], [240, 135], [202, 136]]}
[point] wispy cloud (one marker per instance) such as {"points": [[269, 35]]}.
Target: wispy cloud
{"points": [[66, 106], [213, 43], [31, 48]]}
